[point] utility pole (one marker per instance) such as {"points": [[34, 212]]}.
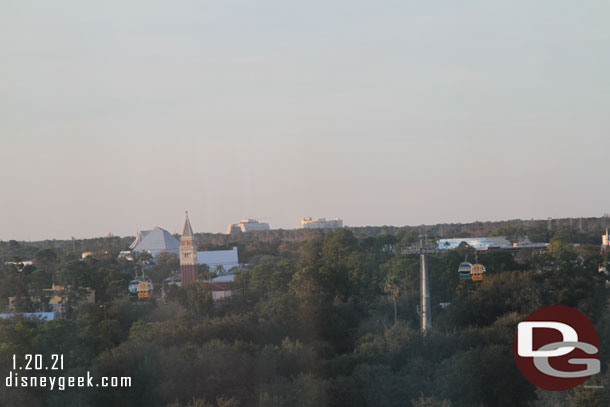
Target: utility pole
{"points": [[423, 249], [105, 319], [426, 314]]}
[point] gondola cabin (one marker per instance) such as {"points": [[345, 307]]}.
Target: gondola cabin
{"points": [[145, 289], [140, 289], [477, 271], [133, 288], [464, 270]]}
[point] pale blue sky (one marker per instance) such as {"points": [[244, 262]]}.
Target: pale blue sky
{"points": [[119, 115]]}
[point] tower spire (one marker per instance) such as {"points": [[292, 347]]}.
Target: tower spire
{"points": [[188, 230], [188, 255]]}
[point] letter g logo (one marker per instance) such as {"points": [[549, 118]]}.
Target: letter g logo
{"points": [[552, 343]]}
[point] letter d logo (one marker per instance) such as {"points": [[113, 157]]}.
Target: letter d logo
{"points": [[526, 338]]}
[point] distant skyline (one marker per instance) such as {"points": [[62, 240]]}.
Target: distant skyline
{"points": [[117, 116]]}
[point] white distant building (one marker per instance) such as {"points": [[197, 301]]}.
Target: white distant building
{"points": [[322, 223], [247, 225], [41, 316], [227, 259], [479, 243], [487, 243]]}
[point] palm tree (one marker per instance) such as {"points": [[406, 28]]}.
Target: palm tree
{"points": [[392, 288]]}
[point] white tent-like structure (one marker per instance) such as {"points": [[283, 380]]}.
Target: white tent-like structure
{"points": [[155, 241]]}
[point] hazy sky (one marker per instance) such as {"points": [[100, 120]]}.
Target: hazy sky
{"points": [[119, 115]]}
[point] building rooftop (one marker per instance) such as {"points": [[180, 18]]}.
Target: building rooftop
{"points": [[188, 230], [483, 243], [247, 225], [228, 259], [322, 223], [44, 316], [225, 278], [155, 241]]}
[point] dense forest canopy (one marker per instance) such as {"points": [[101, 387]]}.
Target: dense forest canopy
{"points": [[319, 318]]}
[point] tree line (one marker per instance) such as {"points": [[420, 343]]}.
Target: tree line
{"points": [[330, 320]]}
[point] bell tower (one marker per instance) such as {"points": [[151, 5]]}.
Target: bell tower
{"points": [[188, 255]]}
